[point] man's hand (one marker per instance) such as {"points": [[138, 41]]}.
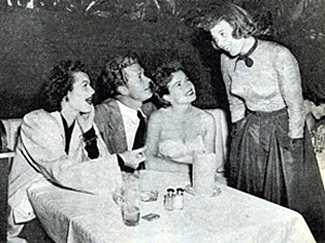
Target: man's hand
{"points": [[86, 120], [134, 158]]}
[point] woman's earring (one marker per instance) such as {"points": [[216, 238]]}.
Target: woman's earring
{"points": [[66, 99]]}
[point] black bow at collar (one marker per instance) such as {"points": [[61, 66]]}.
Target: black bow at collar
{"points": [[248, 61]]}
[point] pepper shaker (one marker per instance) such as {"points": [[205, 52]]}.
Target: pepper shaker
{"points": [[179, 198]]}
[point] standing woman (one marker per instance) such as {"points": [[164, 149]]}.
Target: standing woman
{"points": [[271, 155]]}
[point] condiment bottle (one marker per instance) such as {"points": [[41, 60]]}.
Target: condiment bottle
{"points": [[179, 198], [169, 199]]}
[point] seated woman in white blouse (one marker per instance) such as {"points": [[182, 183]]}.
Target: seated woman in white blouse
{"points": [[61, 144], [180, 129]]}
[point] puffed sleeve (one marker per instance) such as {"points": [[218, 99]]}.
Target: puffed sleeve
{"points": [[290, 85], [44, 148], [236, 105]]}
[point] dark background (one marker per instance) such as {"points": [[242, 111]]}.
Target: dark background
{"points": [[34, 40]]}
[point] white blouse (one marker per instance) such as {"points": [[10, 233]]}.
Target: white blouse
{"points": [[271, 84]]}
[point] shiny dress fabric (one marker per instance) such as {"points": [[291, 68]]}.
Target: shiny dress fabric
{"points": [[266, 163]]}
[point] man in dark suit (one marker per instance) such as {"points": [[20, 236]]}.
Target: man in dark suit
{"points": [[122, 117]]}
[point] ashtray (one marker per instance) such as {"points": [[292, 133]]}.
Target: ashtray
{"points": [[149, 196], [216, 190]]}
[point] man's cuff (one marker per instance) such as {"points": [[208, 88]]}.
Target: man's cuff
{"points": [[122, 165]]}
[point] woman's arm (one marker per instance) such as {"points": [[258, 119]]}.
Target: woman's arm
{"points": [[236, 105], [290, 86], [43, 146], [154, 162], [209, 124], [310, 120]]}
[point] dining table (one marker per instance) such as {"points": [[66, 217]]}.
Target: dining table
{"points": [[228, 216]]}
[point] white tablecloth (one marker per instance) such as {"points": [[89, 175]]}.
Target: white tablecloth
{"points": [[233, 216]]}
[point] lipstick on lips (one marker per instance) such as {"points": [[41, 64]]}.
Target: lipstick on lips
{"points": [[190, 92], [89, 100]]}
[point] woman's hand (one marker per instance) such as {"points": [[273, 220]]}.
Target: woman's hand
{"points": [[86, 120]]}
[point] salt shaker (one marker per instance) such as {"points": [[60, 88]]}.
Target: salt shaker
{"points": [[169, 199], [179, 198]]}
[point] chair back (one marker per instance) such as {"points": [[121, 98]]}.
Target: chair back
{"points": [[3, 138], [12, 128]]}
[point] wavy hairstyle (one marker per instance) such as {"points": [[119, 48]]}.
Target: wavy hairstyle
{"points": [[60, 81], [163, 76], [238, 18], [112, 75]]}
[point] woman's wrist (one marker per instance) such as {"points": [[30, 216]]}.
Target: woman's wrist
{"points": [[90, 135]]}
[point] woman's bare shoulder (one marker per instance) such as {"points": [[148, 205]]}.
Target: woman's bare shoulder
{"points": [[160, 114], [205, 117], [203, 113]]}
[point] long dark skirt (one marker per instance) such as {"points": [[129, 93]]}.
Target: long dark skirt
{"points": [[265, 162]]}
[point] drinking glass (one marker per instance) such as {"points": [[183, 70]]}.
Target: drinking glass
{"points": [[130, 215]]}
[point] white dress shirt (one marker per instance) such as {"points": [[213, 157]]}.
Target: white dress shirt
{"points": [[130, 121]]}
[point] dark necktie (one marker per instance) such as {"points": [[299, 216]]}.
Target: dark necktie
{"points": [[248, 61], [139, 136], [138, 143]]}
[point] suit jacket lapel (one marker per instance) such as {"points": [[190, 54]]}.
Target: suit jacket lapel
{"points": [[119, 141]]}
